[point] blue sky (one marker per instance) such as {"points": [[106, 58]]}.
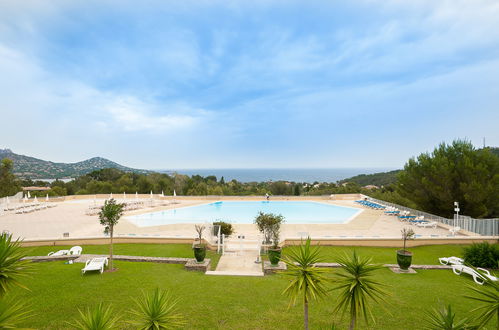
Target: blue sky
{"points": [[222, 84]]}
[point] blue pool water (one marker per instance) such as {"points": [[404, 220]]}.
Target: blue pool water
{"points": [[245, 212]]}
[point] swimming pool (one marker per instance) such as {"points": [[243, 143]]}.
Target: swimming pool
{"points": [[245, 212]]}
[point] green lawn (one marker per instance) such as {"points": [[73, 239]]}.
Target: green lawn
{"points": [[147, 250], [57, 290]]}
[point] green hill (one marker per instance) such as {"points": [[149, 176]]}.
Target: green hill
{"points": [[377, 179], [34, 168]]}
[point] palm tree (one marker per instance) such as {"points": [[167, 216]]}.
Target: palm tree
{"points": [[357, 287], [12, 313], [307, 280], [488, 294], [100, 318], [157, 311], [12, 265], [445, 319], [109, 216], [12, 269]]}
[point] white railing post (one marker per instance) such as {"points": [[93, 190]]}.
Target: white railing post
{"points": [[218, 239], [223, 244]]}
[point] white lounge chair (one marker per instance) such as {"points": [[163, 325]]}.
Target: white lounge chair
{"points": [[479, 278], [432, 224], [454, 230], [95, 264], [75, 250], [58, 253], [451, 261]]}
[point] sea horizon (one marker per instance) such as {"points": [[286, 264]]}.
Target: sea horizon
{"points": [[305, 175]]}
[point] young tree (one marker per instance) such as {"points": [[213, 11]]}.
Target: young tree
{"points": [[357, 287], [307, 281], [109, 216], [269, 225], [455, 172]]}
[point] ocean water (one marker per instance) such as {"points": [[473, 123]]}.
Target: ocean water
{"points": [[286, 174], [245, 212]]}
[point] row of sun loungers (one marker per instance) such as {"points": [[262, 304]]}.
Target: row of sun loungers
{"points": [[405, 216], [31, 207], [480, 275], [371, 204], [35, 208], [129, 206]]}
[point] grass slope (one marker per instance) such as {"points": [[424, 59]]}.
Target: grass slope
{"points": [[216, 302], [57, 290]]}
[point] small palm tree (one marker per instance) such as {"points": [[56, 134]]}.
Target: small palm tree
{"points": [[357, 287], [99, 318], [12, 269], [157, 311], [109, 216], [488, 294], [12, 265], [12, 314], [307, 281], [445, 319]]}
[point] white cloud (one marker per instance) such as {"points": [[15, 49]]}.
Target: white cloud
{"points": [[134, 115]]}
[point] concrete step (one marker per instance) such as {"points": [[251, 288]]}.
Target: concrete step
{"points": [[233, 273]]}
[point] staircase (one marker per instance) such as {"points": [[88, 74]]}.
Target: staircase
{"points": [[239, 256]]}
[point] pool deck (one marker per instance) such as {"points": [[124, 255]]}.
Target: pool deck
{"points": [[69, 217]]}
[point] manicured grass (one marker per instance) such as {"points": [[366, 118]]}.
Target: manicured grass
{"points": [[422, 255], [146, 250], [223, 302]]}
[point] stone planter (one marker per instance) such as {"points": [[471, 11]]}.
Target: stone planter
{"points": [[274, 256], [404, 259]]}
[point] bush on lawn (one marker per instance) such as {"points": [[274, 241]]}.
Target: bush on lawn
{"points": [[482, 255]]}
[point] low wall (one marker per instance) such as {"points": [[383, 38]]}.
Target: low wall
{"points": [[105, 240], [378, 242], [395, 242]]}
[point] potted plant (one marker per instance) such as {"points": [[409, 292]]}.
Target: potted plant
{"points": [[270, 225], [404, 257], [199, 248]]}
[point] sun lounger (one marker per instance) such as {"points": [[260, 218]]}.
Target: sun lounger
{"points": [[451, 261], [75, 250], [58, 253], [95, 264], [454, 230], [426, 224], [478, 277]]}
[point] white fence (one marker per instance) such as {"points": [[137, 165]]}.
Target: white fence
{"points": [[484, 227]]}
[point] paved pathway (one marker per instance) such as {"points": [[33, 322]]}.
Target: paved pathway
{"points": [[238, 264]]}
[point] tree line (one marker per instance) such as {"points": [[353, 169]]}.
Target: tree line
{"points": [[430, 182]]}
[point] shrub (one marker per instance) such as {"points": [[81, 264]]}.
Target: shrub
{"points": [[269, 225], [226, 228], [482, 255]]}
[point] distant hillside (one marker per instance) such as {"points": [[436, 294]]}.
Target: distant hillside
{"points": [[34, 168], [377, 179]]}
